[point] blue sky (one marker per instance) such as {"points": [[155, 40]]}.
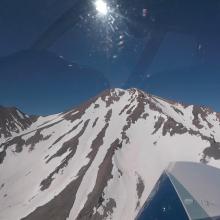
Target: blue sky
{"points": [[93, 55]]}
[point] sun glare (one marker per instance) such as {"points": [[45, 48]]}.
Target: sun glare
{"points": [[101, 7]]}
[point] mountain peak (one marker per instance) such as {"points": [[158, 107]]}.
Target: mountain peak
{"points": [[137, 104], [13, 121]]}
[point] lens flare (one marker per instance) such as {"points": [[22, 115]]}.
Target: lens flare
{"points": [[101, 7]]}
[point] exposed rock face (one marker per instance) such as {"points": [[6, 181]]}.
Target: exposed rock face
{"points": [[13, 121], [213, 151], [99, 159]]}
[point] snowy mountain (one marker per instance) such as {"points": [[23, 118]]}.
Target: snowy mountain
{"points": [[101, 159]]}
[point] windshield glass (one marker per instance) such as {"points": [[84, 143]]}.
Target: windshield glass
{"points": [[76, 49], [98, 98]]}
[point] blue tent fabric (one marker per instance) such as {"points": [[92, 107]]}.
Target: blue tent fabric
{"points": [[185, 191], [163, 203]]}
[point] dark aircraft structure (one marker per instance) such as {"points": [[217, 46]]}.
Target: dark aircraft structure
{"points": [[150, 19]]}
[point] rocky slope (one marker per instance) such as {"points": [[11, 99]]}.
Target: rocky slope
{"points": [[101, 159], [13, 121]]}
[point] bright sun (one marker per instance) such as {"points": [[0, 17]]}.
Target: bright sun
{"points": [[101, 7]]}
